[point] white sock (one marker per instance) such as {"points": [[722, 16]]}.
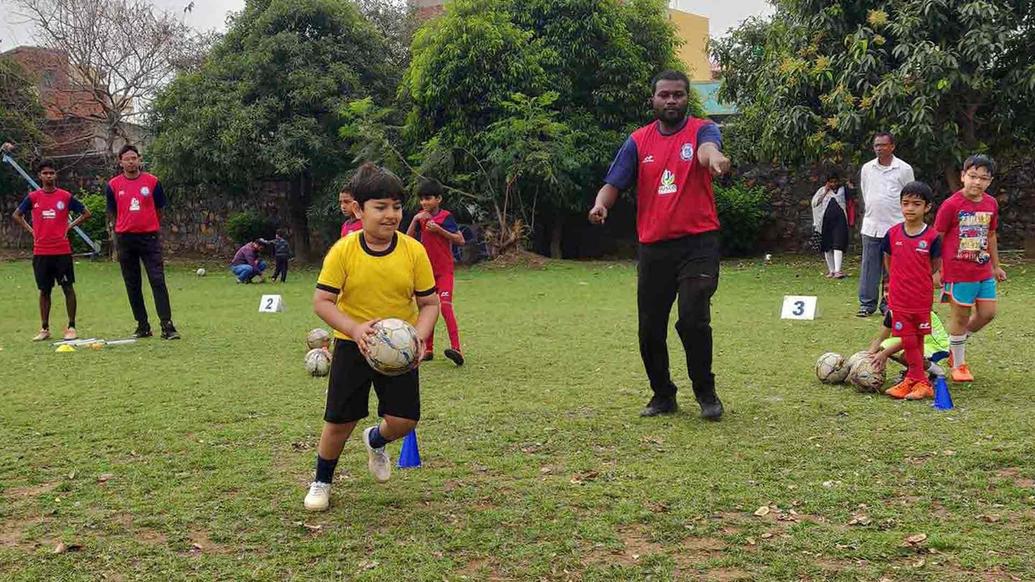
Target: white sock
{"points": [[936, 369], [838, 258], [829, 256], [957, 347]]}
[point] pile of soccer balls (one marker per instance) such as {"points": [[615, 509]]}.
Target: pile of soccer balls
{"points": [[318, 358], [858, 370]]}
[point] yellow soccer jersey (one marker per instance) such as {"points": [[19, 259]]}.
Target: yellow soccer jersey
{"points": [[377, 284]]}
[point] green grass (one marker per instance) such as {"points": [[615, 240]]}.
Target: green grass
{"points": [[536, 465]]}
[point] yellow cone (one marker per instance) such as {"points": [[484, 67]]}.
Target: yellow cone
{"points": [[65, 348]]}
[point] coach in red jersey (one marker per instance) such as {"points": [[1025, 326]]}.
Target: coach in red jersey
{"points": [[52, 261], [135, 202], [671, 163]]}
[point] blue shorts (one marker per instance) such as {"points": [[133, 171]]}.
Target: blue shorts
{"points": [[968, 293]]}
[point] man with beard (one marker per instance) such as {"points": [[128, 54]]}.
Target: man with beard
{"points": [[671, 162]]}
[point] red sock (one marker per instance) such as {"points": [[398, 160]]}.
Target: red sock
{"points": [[913, 346]]}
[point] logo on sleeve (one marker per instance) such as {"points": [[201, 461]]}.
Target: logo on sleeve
{"points": [[686, 153], [668, 184]]}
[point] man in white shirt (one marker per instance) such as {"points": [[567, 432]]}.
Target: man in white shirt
{"points": [[880, 183]]}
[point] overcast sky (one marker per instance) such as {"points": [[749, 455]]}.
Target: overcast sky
{"points": [[211, 15]]}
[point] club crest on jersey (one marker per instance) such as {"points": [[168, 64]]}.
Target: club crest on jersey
{"points": [[922, 244], [60, 205], [668, 184], [898, 326], [145, 191], [686, 153]]}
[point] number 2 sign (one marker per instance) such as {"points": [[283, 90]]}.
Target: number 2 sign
{"points": [[271, 304], [798, 307]]}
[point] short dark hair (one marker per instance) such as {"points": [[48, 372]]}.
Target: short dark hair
{"points": [[887, 134], [45, 164], [282, 232], [372, 182], [669, 75], [128, 148], [832, 175], [917, 189], [980, 161], [429, 187]]}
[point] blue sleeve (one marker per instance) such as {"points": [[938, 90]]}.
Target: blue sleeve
{"points": [[159, 196], [449, 225], [709, 133], [76, 206], [622, 173], [936, 248], [110, 196], [26, 206], [885, 244]]}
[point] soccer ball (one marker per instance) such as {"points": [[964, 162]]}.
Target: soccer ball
{"points": [[831, 368], [318, 362], [856, 358], [201, 272], [317, 338], [394, 349], [865, 376]]}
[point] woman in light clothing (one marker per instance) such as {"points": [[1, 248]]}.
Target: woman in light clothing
{"points": [[831, 222]]}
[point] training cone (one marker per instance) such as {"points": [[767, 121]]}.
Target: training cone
{"points": [[409, 456], [64, 348], [942, 398]]}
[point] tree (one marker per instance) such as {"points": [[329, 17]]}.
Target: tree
{"points": [[266, 103], [21, 120], [120, 52], [948, 78], [396, 21]]}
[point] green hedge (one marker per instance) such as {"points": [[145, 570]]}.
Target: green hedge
{"points": [[743, 211]]}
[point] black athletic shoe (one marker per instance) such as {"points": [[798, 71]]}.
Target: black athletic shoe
{"points": [[864, 312], [427, 357], [169, 331], [455, 355], [711, 410], [660, 405], [143, 330]]}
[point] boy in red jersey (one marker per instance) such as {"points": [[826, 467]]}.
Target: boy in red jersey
{"points": [[438, 232], [347, 205], [51, 251], [912, 258], [135, 202], [967, 221]]}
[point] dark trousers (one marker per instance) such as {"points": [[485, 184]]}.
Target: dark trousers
{"points": [[146, 248], [686, 267], [281, 269]]}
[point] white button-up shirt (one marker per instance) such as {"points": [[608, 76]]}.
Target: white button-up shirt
{"points": [[881, 187]]}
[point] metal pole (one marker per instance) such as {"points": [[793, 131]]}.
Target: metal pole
{"points": [[93, 245]]}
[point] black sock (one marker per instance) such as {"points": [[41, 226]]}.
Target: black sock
{"points": [[325, 469], [376, 440], [71, 323]]}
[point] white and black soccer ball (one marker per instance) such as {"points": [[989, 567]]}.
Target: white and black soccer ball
{"points": [[394, 348], [831, 368], [201, 272], [866, 377], [318, 362], [856, 358], [317, 338]]}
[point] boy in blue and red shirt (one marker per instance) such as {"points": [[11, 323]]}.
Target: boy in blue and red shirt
{"points": [[51, 251], [968, 221], [438, 231], [912, 258]]}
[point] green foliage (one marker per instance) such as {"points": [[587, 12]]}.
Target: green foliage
{"points": [[742, 213], [816, 79], [95, 227], [245, 227], [21, 121]]}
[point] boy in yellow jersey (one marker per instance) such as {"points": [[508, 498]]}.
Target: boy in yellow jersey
{"points": [[376, 274]]}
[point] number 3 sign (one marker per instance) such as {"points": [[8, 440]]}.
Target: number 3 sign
{"points": [[271, 304], [798, 307]]}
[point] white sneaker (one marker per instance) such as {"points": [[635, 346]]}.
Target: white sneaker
{"points": [[44, 334], [378, 462], [319, 497]]}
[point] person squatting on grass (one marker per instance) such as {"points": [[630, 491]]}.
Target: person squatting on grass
{"points": [[246, 264], [968, 221], [377, 273], [671, 162], [52, 262]]}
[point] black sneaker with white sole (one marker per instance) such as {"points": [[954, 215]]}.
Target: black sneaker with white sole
{"points": [[455, 355]]}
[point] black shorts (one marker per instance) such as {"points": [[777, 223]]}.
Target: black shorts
{"points": [[51, 269], [348, 389]]}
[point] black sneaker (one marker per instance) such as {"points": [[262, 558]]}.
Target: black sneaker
{"points": [[169, 331], [143, 330], [455, 355], [660, 405], [711, 409], [864, 312]]}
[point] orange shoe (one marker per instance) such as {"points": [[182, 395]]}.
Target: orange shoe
{"points": [[901, 389], [920, 391], [962, 374]]}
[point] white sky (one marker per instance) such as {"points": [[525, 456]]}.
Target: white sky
{"points": [[211, 15]]}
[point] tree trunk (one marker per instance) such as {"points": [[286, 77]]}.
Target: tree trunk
{"points": [[952, 178], [298, 204], [556, 235]]}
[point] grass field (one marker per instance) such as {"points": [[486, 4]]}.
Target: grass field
{"points": [[189, 460]]}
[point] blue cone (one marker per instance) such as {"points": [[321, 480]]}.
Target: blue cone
{"points": [[409, 456], [942, 398]]}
